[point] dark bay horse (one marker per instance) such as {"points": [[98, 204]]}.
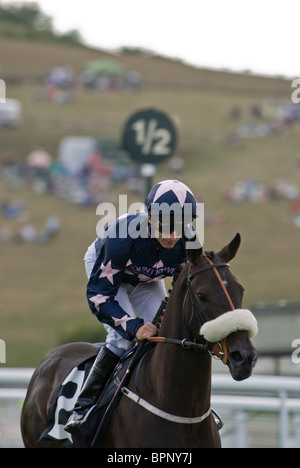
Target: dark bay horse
{"points": [[203, 316]]}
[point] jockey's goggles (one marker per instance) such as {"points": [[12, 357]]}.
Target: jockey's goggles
{"points": [[168, 224]]}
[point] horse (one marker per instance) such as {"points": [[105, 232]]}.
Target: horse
{"points": [[171, 407]]}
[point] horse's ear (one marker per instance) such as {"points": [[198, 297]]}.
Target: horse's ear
{"points": [[194, 254], [230, 251]]}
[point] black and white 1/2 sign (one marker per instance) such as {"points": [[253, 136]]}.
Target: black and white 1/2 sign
{"points": [[149, 136]]}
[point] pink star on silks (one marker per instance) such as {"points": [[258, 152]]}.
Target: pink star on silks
{"points": [[180, 190], [99, 299], [108, 272], [158, 264], [129, 262], [122, 321]]}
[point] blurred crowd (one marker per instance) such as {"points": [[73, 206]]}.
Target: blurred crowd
{"points": [[19, 228], [255, 191], [251, 190], [90, 184], [15, 216], [87, 184], [60, 84], [271, 117]]}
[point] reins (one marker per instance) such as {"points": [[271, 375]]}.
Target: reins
{"points": [[186, 344], [219, 349]]}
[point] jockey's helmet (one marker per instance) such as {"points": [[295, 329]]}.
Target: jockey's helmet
{"points": [[171, 202]]}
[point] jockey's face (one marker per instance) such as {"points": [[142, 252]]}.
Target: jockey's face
{"points": [[168, 242], [166, 239]]}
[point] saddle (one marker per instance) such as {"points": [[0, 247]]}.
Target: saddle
{"points": [[91, 431]]}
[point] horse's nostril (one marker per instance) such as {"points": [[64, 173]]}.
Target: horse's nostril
{"points": [[236, 358]]}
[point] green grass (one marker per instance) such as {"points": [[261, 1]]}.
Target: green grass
{"points": [[43, 287]]}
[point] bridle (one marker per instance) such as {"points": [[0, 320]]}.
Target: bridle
{"points": [[215, 349], [219, 349]]}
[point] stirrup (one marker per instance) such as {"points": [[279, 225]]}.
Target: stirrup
{"points": [[217, 419], [76, 419]]}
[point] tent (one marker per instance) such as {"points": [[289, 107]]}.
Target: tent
{"points": [[105, 67], [75, 151]]}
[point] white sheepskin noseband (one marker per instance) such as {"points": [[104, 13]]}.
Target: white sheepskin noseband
{"points": [[230, 322]]}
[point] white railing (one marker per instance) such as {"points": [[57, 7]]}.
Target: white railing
{"points": [[15, 376], [258, 394]]}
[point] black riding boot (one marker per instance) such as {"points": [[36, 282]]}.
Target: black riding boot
{"points": [[102, 368]]}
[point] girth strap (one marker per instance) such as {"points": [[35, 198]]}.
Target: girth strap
{"points": [[162, 414]]}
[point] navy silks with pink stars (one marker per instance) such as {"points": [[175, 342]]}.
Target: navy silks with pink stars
{"points": [[128, 260]]}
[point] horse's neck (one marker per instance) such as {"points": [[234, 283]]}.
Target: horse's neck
{"points": [[174, 321], [180, 375]]}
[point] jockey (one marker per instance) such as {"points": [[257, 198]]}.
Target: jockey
{"points": [[126, 267]]}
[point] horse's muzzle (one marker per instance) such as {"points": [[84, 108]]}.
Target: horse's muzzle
{"points": [[237, 326], [241, 362]]}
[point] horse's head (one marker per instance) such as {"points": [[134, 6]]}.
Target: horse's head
{"points": [[215, 297]]}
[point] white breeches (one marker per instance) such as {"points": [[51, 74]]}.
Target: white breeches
{"points": [[142, 300]]}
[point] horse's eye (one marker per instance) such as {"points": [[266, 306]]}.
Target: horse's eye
{"points": [[202, 297]]}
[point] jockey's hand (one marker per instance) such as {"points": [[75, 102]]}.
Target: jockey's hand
{"points": [[146, 331]]}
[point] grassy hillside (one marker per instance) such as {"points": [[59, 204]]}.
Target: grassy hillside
{"points": [[43, 287]]}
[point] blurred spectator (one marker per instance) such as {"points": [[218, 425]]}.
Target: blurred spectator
{"points": [[294, 207], [13, 169], [28, 233], [133, 80], [39, 163], [12, 210], [52, 226], [286, 190], [256, 112], [61, 77], [96, 165]]}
